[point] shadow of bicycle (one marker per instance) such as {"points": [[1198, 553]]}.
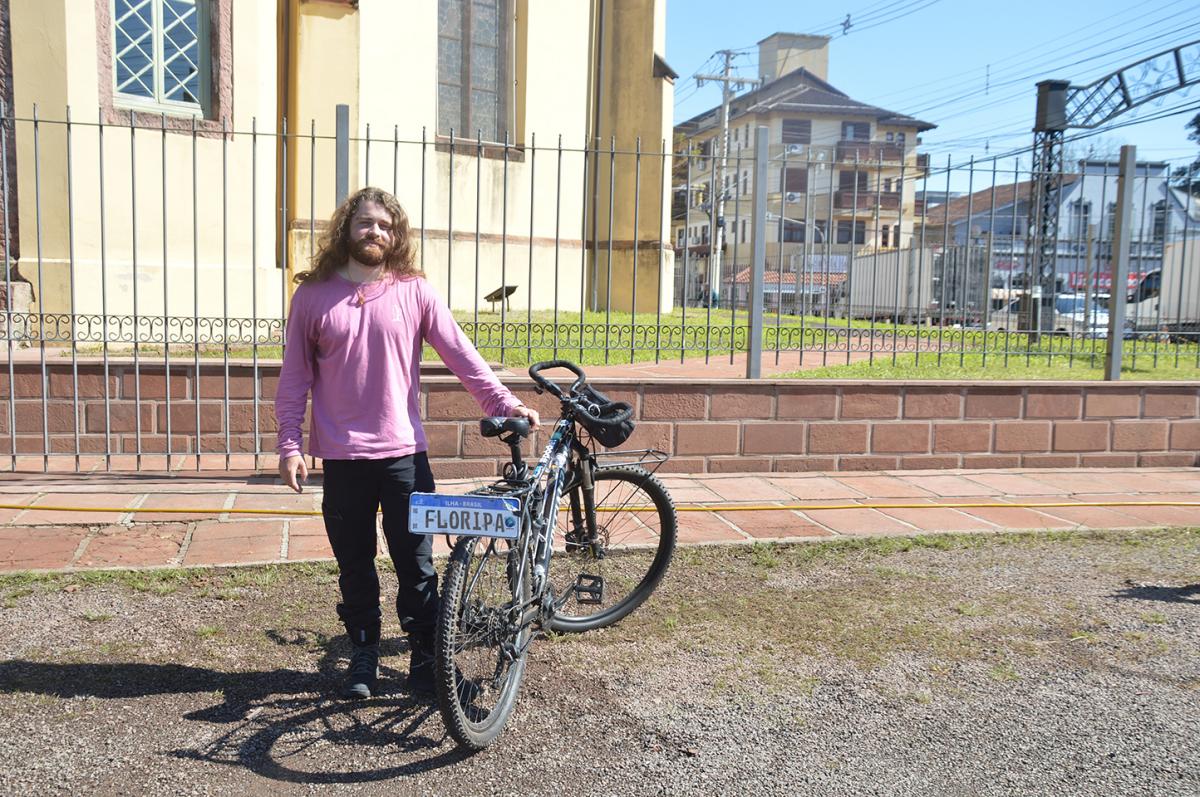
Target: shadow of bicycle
{"points": [[283, 724]]}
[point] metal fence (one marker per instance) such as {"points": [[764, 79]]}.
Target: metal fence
{"points": [[869, 269], [151, 251]]}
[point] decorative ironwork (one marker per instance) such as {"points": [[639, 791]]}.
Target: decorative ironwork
{"points": [[84, 328], [1141, 82], [599, 337]]}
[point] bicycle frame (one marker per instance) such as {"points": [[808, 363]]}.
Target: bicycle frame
{"points": [[553, 474], [563, 461]]}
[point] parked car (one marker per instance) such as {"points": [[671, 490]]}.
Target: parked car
{"points": [[1073, 315]]}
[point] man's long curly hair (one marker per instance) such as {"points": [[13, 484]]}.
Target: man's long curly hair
{"points": [[335, 248]]}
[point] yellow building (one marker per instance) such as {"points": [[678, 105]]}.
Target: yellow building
{"points": [[177, 152], [842, 174]]}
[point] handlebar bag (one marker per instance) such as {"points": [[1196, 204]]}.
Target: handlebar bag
{"points": [[598, 418]]}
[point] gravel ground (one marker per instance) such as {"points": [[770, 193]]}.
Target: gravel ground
{"points": [[1065, 664]]}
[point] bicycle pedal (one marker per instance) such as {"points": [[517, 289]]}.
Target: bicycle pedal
{"points": [[589, 590]]}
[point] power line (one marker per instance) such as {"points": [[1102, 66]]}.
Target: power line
{"points": [[1177, 110], [1008, 98], [989, 133], [862, 16], [695, 87], [971, 77], [984, 131], [1003, 78], [910, 12], [865, 21], [1028, 76]]}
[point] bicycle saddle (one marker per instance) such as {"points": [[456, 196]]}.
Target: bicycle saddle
{"points": [[494, 427]]}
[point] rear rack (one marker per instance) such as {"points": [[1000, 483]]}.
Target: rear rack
{"points": [[648, 459], [502, 487]]}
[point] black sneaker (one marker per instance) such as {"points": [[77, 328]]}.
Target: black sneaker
{"points": [[362, 673], [420, 665]]}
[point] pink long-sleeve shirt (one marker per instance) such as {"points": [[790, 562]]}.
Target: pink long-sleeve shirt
{"points": [[356, 347]]}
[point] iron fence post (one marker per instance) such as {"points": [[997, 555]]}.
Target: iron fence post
{"points": [[758, 258], [1120, 264], [342, 155]]}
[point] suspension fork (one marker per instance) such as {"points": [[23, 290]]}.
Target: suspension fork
{"points": [[587, 490]]}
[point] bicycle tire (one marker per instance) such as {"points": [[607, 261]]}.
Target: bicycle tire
{"points": [[636, 522], [476, 682]]}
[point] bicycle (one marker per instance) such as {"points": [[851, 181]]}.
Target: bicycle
{"points": [[506, 583]]}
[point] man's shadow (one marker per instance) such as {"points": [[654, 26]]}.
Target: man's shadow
{"points": [[1167, 593], [273, 719]]}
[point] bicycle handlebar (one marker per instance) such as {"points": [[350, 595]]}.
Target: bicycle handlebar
{"points": [[618, 412], [536, 369]]}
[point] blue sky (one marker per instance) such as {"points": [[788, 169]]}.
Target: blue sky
{"points": [[968, 66]]}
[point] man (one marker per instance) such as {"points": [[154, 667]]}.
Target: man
{"points": [[354, 335]]}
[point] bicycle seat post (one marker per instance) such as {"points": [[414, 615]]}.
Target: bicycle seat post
{"points": [[518, 468]]}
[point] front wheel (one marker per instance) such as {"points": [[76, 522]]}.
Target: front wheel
{"points": [[605, 574], [482, 633]]}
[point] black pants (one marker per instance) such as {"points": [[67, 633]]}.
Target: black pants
{"points": [[354, 490]]}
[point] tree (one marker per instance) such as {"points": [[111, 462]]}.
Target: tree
{"points": [[1188, 177]]}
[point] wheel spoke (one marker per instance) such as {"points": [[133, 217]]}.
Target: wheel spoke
{"points": [[477, 680], [599, 580]]}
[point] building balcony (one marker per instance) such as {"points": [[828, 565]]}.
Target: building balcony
{"points": [[869, 151], [866, 200]]}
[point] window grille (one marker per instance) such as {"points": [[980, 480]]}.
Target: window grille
{"points": [[473, 57], [160, 53]]}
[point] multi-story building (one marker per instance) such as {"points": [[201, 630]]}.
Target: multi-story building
{"points": [[841, 180]]}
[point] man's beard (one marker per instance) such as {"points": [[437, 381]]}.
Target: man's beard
{"points": [[369, 252]]}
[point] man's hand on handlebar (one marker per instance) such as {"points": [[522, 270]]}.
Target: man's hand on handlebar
{"points": [[521, 411]]}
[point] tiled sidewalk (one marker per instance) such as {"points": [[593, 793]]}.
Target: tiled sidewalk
{"points": [[38, 536]]}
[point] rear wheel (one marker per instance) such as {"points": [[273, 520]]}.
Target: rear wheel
{"points": [[482, 633], [600, 577]]}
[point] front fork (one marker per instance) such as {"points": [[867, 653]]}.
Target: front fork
{"points": [[583, 529]]}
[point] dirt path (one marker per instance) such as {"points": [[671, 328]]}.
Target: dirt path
{"points": [[1056, 663]]}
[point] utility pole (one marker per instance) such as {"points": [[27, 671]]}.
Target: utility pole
{"points": [[716, 207]]}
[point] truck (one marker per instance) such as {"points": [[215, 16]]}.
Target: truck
{"points": [[1166, 300], [890, 285]]}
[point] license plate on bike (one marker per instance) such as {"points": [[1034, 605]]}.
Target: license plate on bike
{"points": [[464, 515]]}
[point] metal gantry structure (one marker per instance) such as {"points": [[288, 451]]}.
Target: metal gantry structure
{"points": [[1062, 106]]}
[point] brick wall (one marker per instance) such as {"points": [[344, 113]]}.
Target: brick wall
{"points": [[715, 426]]}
